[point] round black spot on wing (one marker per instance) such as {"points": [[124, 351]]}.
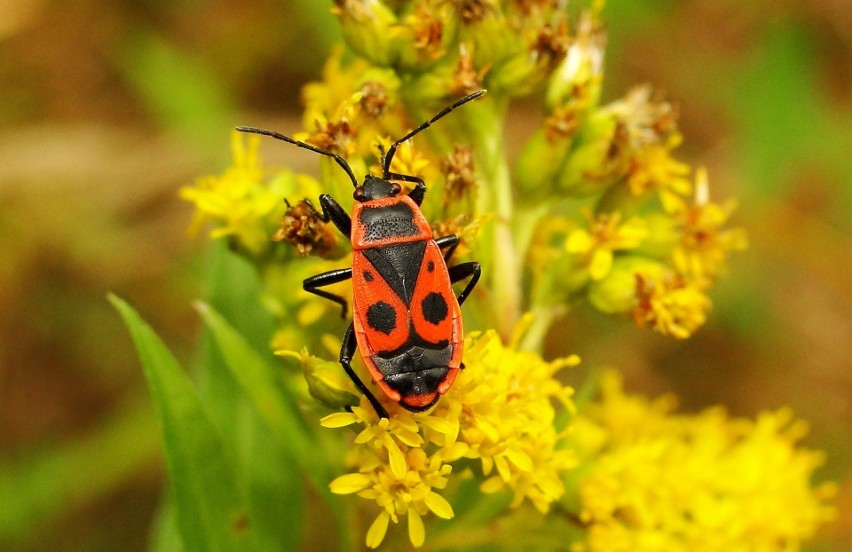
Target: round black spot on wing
{"points": [[368, 276], [434, 308], [381, 317], [430, 266]]}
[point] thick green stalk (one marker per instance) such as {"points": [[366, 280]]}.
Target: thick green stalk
{"points": [[502, 268]]}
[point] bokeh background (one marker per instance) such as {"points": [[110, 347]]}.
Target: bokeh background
{"points": [[108, 107]]}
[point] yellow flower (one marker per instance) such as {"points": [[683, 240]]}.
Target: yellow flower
{"points": [[500, 412], [406, 160], [659, 481], [704, 243], [238, 201], [653, 168], [670, 305], [607, 235], [393, 470]]}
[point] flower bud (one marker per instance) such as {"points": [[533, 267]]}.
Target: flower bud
{"points": [[617, 292], [598, 159], [428, 33], [580, 73], [539, 162], [368, 28], [326, 381]]}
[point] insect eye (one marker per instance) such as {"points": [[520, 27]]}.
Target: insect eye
{"points": [[395, 188], [358, 194]]}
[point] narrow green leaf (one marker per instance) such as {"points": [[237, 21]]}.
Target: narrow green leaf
{"points": [[211, 512], [257, 378]]}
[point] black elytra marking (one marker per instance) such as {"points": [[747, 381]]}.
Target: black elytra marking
{"points": [[430, 266], [368, 276], [398, 265], [434, 308], [381, 317]]}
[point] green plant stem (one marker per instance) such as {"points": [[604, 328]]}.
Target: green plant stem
{"points": [[543, 317], [495, 197]]}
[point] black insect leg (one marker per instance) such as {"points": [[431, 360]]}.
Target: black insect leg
{"points": [[346, 353], [312, 284], [451, 242], [332, 211], [459, 272]]}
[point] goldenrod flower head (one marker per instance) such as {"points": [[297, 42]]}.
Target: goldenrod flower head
{"points": [[660, 481], [426, 34], [578, 78], [407, 160], [652, 168], [239, 202], [303, 227], [670, 305], [606, 234], [616, 292], [704, 243], [500, 412], [368, 28], [459, 175], [338, 133]]}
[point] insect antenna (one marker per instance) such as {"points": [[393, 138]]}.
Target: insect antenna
{"points": [[278, 136], [392, 150]]}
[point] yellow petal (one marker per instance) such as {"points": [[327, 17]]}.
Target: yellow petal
{"points": [[579, 241], [416, 531], [440, 425], [439, 505], [503, 468], [338, 419], [491, 485], [601, 264], [376, 533], [350, 483], [397, 460], [520, 459]]}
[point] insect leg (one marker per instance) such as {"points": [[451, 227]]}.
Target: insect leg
{"points": [[459, 272], [346, 353], [451, 242], [332, 211], [312, 284]]}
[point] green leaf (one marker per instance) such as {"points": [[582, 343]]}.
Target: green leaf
{"points": [[258, 379], [210, 511]]}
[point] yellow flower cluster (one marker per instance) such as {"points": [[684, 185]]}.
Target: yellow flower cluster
{"points": [[658, 481], [246, 202], [500, 413], [659, 262]]}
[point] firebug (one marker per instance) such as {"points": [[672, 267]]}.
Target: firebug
{"points": [[406, 319]]}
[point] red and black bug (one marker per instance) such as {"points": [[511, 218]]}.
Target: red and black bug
{"points": [[406, 319]]}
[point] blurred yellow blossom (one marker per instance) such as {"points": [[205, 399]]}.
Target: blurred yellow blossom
{"points": [[238, 201], [704, 243], [652, 168], [670, 305], [658, 481], [606, 235]]}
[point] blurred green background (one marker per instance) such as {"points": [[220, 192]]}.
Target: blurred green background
{"points": [[107, 108]]}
